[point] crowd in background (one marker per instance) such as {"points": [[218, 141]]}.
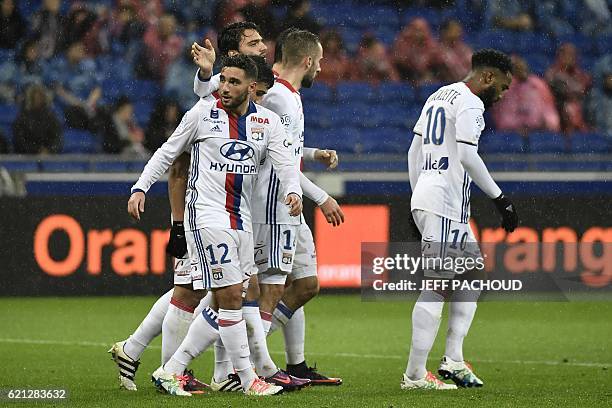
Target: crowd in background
{"points": [[58, 58]]}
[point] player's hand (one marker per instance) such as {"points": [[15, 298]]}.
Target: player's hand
{"points": [[177, 245], [332, 212], [136, 204], [204, 57], [294, 202], [506, 209], [327, 157]]}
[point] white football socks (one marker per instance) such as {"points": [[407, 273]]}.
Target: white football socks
{"points": [[175, 327], [462, 309], [202, 334], [150, 327], [295, 333], [426, 317], [223, 363], [232, 329], [264, 365]]}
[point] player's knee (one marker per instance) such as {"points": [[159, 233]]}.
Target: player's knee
{"points": [[188, 296], [253, 292], [229, 297], [309, 288]]}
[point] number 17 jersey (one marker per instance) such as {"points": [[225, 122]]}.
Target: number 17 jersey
{"points": [[451, 115]]}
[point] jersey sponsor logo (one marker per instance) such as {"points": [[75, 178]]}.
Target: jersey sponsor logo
{"points": [[214, 122], [262, 121], [286, 143], [237, 151], [214, 114], [257, 134], [216, 128], [438, 164], [236, 168]]}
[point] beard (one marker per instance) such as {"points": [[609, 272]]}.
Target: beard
{"points": [[308, 79], [236, 102], [488, 97]]}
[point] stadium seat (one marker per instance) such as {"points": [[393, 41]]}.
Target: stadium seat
{"points": [[65, 166], [546, 142], [8, 113], [80, 141], [589, 143], [390, 140], [146, 90], [142, 110], [319, 93], [20, 166], [425, 91], [109, 167], [501, 142], [352, 91], [396, 91]]}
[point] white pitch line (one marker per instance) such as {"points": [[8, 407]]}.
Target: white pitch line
{"points": [[344, 355]]}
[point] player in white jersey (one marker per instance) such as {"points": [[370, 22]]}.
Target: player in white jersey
{"points": [[443, 160], [226, 154], [127, 353], [306, 288]]}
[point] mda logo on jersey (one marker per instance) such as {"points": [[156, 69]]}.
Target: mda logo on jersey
{"points": [[237, 151]]}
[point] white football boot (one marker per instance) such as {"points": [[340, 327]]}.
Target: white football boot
{"points": [[429, 382]]}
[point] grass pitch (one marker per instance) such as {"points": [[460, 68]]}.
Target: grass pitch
{"points": [[528, 354]]}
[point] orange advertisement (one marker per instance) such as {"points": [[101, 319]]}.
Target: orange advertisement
{"points": [[339, 248]]}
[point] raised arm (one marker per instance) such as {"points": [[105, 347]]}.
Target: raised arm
{"points": [[204, 83]]}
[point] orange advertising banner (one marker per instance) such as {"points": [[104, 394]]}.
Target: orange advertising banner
{"points": [[339, 248]]}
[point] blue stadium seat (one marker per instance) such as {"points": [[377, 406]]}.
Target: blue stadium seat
{"points": [[345, 139], [392, 92], [146, 90], [109, 167], [602, 44], [352, 91], [546, 142], [80, 141], [501, 142], [142, 110], [65, 166], [538, 63], [8, 113], [589, 143], [503, 40], [320, 93], [20, 166], [391, 140], [425, 91]]}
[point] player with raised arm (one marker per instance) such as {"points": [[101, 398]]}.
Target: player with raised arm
{"points": [[443, 160], [226, 155]]}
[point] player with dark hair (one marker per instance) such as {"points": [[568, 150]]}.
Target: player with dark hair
{"points": [[443, 160], [228, 144]]}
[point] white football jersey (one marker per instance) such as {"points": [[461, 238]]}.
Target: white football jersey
{"points": [[226, 156], [268, 204], [207, 90], [451, 115]]}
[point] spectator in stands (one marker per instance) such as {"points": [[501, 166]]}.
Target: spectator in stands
{"points": [[528, 105], [595, 18], [569, 84], [47, 26], [552, 16], [599, 105], [163, 121], [120, 133], [227, 12], [76, 82], [36, 129], [416, 53], [260, 13], [510, 15], [179, 81], [163, 47], [12, 25], [16, 74], [78, 23], [125, 26], [299, 16], [373, 63], [456, 54], [336, 64]]}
